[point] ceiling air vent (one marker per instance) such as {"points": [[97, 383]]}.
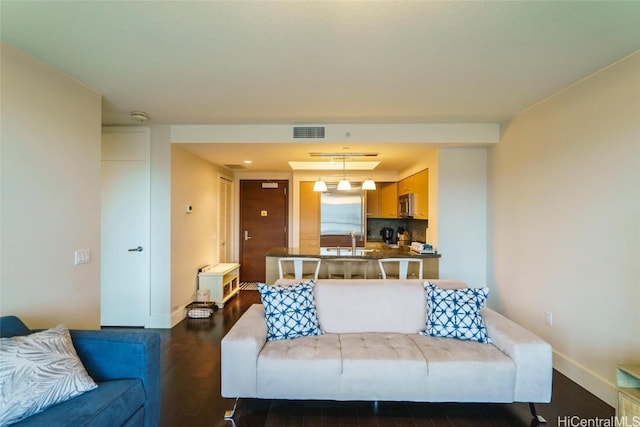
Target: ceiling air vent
{"points": [[234, 166], [308, 131]]}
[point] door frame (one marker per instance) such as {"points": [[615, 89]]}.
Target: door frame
{"points": [[222, 215]]}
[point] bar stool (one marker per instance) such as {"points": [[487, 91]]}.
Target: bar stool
{"points": [[347, 268], [303, 268], [402, 267]]}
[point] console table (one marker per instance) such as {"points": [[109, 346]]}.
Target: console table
{"points": [[222, 281], [628, 377]]}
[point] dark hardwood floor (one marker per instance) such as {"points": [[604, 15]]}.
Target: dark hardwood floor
{"points": [[191, 392]]}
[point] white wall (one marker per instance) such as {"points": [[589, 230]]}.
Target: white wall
{"points": [[194, 182], [50, 195], [564, 200], [462, 214], [160, 286]]}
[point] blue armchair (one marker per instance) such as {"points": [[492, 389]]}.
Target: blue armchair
{"points": [[126, 367]]}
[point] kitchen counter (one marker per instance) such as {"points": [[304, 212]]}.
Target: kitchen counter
{"points": [[363, 253], [429, 270]]}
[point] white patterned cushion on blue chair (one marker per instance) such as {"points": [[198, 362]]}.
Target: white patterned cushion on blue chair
{"points": [[455, 313], [290, 310], [37, 371]]}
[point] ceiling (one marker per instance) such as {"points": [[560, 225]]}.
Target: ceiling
{"points": [[322, 62]]}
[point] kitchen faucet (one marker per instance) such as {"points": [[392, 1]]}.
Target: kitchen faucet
{"points": [[353, 242]]}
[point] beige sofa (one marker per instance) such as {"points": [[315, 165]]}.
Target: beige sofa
{"points": [[371, 349]]}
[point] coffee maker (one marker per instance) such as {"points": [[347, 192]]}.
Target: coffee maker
{"points": [[388, 235]]}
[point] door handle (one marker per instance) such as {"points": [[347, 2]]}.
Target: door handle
{"points": [[246, 235], [138, 249]]}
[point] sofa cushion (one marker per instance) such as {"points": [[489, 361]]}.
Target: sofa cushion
{"points": [[112, 403], [466, 371], [455, 313], [290, 311], [382, 366], [37, 371], [304, 368], [372, 305]]}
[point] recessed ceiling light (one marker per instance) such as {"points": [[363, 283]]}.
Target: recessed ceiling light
{"points": [[247, 162]]}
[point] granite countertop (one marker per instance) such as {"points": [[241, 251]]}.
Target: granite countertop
{"points": [[369, 253]]}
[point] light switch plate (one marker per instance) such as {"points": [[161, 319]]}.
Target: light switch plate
{"points": [[83, 256]]}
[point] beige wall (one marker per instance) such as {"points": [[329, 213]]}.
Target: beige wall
{"points": [[50, 195], [194, 182], [564, 224], [462, 214]]}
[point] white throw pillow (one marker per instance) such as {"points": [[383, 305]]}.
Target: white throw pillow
{"points": [[37, 371], [290, 310]]}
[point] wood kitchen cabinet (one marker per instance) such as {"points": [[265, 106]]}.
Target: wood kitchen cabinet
{"points": [[421, 198], [418, 185], [309, 217], [383, 201], [406, 186], [373, 204], [388, 200]]}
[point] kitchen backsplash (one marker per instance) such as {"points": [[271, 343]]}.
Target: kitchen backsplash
{"points": [[417, 228]]}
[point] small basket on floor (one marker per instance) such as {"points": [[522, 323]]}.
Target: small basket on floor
{"points": [[201, 309]]}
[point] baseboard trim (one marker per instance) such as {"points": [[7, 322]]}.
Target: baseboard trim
{"points": [[592, 382], [159, 322], [178, 316]]}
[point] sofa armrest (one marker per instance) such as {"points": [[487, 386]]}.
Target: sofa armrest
{"points": [[532, 357], [109, 355], [240, 348]]}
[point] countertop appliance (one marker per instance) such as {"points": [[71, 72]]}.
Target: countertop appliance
{"points": [[405, 205], [404, 239], [388, 234], [422, 248]]}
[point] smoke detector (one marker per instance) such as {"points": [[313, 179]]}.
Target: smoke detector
{"points": [[139, 116]]}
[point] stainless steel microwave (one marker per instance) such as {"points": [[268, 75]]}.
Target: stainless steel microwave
{"points": [[405, 205]]}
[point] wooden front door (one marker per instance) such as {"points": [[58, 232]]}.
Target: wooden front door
{"points": [[263, 224]]}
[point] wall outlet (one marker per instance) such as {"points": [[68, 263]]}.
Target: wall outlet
{"points": [[83, 256], [549, 318]]}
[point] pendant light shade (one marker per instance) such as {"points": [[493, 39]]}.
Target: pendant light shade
{"points": [[368, 184], [320, 186], [344, 185]]}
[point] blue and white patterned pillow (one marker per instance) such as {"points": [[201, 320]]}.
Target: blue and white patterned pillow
{"points": [[455, 313], [290, 310]]}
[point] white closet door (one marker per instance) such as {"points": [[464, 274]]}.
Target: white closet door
{"points": [[125, 234]]}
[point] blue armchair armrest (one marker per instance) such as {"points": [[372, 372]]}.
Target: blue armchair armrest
{"points": [[108, 355]]}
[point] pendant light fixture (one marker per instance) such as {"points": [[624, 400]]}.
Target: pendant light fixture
{"points": [[344, 185], [368, 184], [320, 185]]}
